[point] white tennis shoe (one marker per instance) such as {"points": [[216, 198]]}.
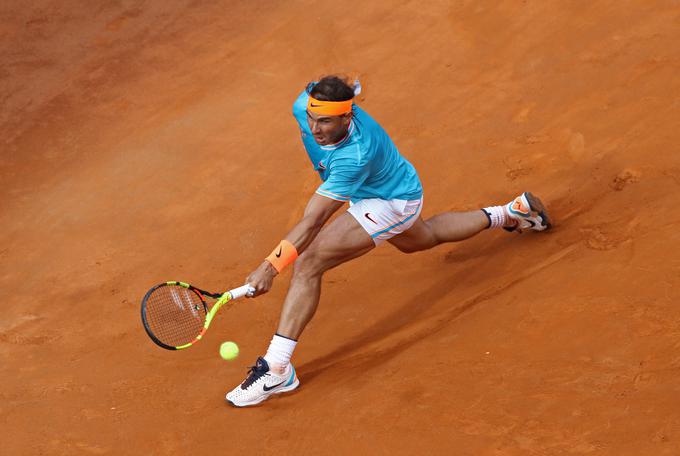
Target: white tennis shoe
{"points": [[529, 214], [262, 383]]}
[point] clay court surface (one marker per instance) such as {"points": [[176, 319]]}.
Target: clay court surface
{"points": [[152, 141]]}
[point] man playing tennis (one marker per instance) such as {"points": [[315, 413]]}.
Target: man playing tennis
{"points": [[358, 163]]}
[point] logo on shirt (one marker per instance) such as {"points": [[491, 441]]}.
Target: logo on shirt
{"points": [[321, 165]]}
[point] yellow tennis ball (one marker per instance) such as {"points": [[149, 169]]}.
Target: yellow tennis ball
{"points": [[229, 350]]}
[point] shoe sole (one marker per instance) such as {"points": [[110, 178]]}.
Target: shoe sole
{"points": [[283, 389], [536, 205]]}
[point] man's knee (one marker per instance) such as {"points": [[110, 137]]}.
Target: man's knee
{"points": [[419, 238], [309, 264], [410, 248], [414, 245]]}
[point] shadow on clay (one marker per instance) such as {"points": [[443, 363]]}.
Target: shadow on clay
{"points": [[357, 353]]}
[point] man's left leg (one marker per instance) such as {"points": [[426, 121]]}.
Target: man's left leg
{"points": [[526, 212], [340, 241]]}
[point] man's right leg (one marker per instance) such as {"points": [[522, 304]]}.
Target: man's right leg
{"points": [[340, 241], [344, 239]]}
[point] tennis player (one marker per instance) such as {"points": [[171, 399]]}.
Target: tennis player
{"points": [[358, 164]]}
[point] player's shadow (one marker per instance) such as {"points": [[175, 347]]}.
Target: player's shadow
{"points": [[409, 324], [358, 353], [354, 354]]}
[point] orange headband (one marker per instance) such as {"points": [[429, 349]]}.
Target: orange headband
{"points": [[329, 108]]}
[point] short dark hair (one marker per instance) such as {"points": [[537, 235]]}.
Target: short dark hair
{"points": [[332, 88]]}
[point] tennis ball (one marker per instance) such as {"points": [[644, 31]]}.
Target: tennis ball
{"points": [[229, 350]]}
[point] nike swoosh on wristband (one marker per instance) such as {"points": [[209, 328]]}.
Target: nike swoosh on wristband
{"points": [[269, 388], [314, 105], [278, 254]]}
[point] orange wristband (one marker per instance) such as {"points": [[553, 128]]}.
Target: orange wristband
{"points": [[283, 255]]}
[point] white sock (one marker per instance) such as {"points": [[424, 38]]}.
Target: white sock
{"points": [[279, 352], [497, 215]]}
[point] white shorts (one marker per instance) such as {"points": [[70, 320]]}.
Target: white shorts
{"points": [[384, 219]]}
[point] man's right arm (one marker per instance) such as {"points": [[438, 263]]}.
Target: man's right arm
{"points": [[319, 210]]}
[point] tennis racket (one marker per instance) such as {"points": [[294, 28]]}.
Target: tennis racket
{"points": [[176, 315]]}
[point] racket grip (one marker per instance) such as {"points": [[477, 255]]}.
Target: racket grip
{"points": [[241, 291]]}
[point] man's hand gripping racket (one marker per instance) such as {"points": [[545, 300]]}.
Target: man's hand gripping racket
{"points": [[176, 315]]}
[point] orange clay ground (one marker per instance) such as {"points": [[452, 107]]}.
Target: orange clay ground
{"points": [[152, 141]]}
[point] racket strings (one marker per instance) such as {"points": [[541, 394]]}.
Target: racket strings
{"points": [[175, 315]]}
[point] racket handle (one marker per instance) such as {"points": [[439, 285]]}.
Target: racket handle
{"points": [[241, 291]]}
